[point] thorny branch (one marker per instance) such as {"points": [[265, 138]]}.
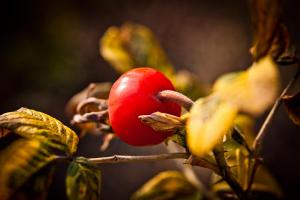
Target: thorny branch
{"points": [[226, 172], [263, 130], [257, 144], [129, 158]]}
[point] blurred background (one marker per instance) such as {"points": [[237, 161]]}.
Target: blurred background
{"points": [[50, 51]]}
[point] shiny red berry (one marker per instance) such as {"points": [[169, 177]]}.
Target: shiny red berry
{"points": [[134, 94]]}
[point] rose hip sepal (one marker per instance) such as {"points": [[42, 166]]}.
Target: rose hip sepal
{"points": [[134, 94]]}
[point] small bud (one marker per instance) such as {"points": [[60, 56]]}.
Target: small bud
{"points": [[162, 121]]}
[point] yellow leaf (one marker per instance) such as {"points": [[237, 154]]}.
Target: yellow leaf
{"points": [[19, 162], [133, 45], [210, 119], [252, 91], [37, 125], [168, 185], [113, 50]]}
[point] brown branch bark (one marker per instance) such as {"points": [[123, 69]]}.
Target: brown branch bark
{"points": [[227, 174], [130, 158]]}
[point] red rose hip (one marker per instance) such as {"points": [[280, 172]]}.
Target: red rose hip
{"points": [[134, 94]]}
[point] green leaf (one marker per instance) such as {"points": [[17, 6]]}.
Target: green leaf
{"points": [[168, 185], [239, 164], [253, 90], [19, 162], [239, 139], [210, 119], [37, 125], [133, 45], [83, 180], [37, 186], [178, 138], [292, 104]]}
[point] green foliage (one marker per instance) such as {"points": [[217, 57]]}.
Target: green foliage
{"points": [[37, 186], [238, 157], [166, 186], [24, 165], [18, 162], [238, 161], [179, 138], [83, 180], [37, 125]]}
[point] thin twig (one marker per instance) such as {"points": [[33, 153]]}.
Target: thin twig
{"points": [[253, 168], [227, 174], [257, 144], [129, 158], [263, 130], [189, 172], [176, 97], [194, 161]]}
